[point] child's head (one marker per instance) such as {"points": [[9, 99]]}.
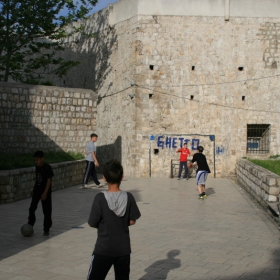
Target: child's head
{"points": [[93, 137], [113, 172], [39, 158], [200, 149], [185, 145]]}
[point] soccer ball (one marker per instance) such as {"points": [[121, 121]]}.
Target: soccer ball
{"points": [[27, 230]]}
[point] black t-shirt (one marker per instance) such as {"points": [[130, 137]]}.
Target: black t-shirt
{"points": [[201, 162], [113, 233], [43, 173]]}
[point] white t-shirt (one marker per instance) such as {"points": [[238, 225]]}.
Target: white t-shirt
{"points": [[89, 149]]}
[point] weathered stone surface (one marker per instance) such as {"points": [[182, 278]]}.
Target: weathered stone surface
{"points": [[36, 126], [261, 183], [66, 174]]}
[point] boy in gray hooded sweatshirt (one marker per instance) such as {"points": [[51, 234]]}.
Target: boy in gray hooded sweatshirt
{"points": [[112, 212]]}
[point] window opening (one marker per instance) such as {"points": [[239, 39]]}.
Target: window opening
{"points": [[258, 138]]}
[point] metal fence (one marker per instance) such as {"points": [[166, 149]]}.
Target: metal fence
{"points": [[258, 138]]}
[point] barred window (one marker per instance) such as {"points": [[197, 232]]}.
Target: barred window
{"points": [[258, 138]]}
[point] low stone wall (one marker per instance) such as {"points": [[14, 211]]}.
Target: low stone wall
{"points": [[18, 184], [262, 184]]}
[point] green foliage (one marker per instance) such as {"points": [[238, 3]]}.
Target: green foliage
{"points": [[271, 165], [15, 161], [31, 34], [275, 156]]}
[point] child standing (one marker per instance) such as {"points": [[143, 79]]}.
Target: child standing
{"points": [[202, 171], [42, 191], [112, 212], [183, 161]]}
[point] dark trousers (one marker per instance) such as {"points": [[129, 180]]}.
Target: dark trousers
{"points": [[90, 171], [47, 209], [101, 265], [183, 164]]}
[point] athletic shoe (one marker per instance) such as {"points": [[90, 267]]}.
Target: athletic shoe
{"points": [[201, 197], [204, 196], [84, 186], [46, 233], [100, 185], [186, 178], [178, 178]]}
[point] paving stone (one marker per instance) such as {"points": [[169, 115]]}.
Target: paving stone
{"points": [[178, 237]]}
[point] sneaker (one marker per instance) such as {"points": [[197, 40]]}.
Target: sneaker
{"points": [[100, 185], [84, 186], [186, 178], [46, 233], [178, 178], [204, 196], [200, 197]]}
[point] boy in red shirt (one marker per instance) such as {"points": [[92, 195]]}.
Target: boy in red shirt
{"points": [[183, 161]]}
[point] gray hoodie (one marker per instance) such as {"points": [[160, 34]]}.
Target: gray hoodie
{"points": [[117, 202]]}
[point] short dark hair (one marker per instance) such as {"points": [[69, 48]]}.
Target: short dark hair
{"points": [[93, 135], [200, 149], [113, 171], [39, 154], [185, 143]]}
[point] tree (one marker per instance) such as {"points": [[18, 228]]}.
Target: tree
{"points": [[31, 34]]}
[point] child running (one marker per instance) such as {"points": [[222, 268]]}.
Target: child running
{"points": [[202, 171], [112, 212]]}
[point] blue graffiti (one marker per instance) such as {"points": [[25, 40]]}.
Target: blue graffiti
{"points": [[220, 150], [174, 142]]}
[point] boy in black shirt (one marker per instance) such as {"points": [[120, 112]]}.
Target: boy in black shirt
{"points": [[42, 191], [202, 171], [112, 212]]}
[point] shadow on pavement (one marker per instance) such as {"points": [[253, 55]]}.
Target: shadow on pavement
{"points": [[161, 268]]}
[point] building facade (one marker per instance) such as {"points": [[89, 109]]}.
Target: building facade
{"points": [[165, 72]]}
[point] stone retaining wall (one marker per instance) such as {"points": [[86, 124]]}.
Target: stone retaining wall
{"points": [[18, 184], [45, 118], [259, 182]]}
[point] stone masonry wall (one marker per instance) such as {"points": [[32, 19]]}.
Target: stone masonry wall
{"points": [[190, 75], [18, 184], [46, 118], [263, 185]]}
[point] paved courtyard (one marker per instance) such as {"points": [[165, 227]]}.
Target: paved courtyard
{"points": [[226, 236]]}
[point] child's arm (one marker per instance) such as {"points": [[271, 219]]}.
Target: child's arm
{"points": [[95, 159], [48, 185], [95, 214], [131, 223]]}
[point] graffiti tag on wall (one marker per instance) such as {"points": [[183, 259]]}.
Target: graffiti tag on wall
{"points": [[220, 150], [19, 118], [176, 142]]}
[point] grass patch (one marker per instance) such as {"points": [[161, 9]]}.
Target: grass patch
{"points": [[271, 165], [16, 161]]}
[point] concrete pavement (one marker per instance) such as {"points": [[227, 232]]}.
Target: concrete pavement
{"points": [[226, 236]]}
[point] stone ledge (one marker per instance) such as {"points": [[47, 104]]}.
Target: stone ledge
{"points": [[262, 184], [18, 184]]}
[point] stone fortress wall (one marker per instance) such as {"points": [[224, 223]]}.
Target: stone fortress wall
{"points": [[198, 70], [45, 118]]}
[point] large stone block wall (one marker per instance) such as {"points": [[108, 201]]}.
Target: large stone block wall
{"points": [[18, 184], [262, 184], [45, 118], [190, 74]]}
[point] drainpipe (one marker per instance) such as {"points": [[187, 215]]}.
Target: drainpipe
{"points": [[227, 10]]}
